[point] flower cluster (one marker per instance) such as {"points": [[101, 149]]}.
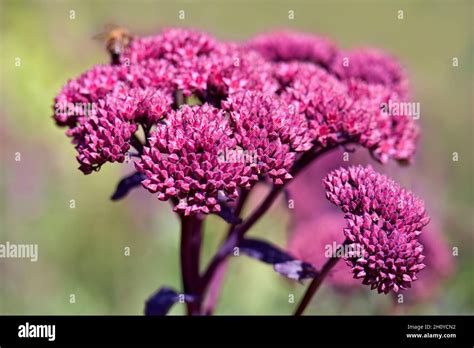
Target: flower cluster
{"points": [[372, 66], [367, 64], [267, 125], [312, 239], [102, 139], [285, 46], [182, 161], [385, 220], [341, 92], [278, 95], [348, 111]]}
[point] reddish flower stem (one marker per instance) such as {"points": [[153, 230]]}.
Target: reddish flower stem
{"points": [[191, 235], [136, 143], [317, 281], [215, 288]]}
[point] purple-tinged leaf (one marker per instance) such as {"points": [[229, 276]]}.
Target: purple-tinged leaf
{"points": [[282, 262], [295, 269], [227, 213], [263, 251], [127, 184], [161, 301]]}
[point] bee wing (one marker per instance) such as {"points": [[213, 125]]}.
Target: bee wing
{"points": [[107, 29], [100, 36], [111, 26]]}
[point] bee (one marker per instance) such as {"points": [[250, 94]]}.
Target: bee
{"points": [[116, 39]]}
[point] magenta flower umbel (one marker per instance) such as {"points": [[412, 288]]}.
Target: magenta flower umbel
{"points": [[288, 46], [385, 220], [205, 121], [372, 66], [182, 161]]}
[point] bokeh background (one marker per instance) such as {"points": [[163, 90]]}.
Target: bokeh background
{"points": [[81, 250]]}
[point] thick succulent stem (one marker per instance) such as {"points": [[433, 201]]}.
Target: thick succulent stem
{"points": [[191, 235]]}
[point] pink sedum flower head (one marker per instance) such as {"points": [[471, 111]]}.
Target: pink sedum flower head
{"points": [[320, 97], [173, 44], [286, 46], [352, 111], [101, 80], [235, 69], [87, 88], [371, 66], [385, 220], [105, 135], [146, 106], [183, 162], [101, 139], [387, 136], [268, 126]]}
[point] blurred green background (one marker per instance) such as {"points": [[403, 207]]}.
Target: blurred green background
{"points": [[81, 250]]}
